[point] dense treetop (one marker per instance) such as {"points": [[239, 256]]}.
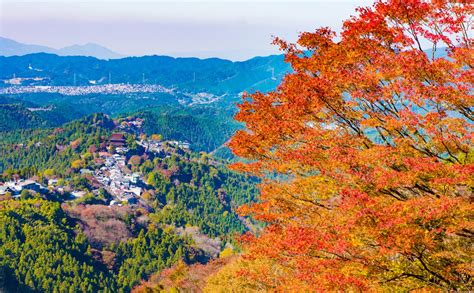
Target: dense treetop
{"points": [[39, 251]]}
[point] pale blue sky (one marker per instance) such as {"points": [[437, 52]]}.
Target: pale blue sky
{"points": [[234, 30]]}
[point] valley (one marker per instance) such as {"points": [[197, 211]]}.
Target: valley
{"points": [[127, 166]]}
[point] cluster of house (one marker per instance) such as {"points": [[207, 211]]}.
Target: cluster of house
{"points": [[158, 146], [124, 187], [179, 144], [14, 188], [112, 175], [118, 88]]}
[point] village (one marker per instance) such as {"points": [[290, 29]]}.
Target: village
{"points": [[118, 88], [110, 174]]}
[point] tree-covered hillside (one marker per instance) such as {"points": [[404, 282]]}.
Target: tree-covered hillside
{"points": [[14, 116], [206, 128], [51, 240], [18, 112], [39, 251], [53, 148], [81, 105]]}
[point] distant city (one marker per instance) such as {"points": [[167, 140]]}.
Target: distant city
{"points": [[85, 90]]}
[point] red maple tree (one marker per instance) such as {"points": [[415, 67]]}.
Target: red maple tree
{"points": [[366, 155]]}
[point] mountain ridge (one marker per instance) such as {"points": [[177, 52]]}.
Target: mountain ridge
{"points": [[212, 75]]}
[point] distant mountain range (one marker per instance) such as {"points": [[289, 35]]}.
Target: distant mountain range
{"points": [[213, 75], [9, 47]]}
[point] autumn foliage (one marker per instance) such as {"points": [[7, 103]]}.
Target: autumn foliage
{"points": [[366, 156]]}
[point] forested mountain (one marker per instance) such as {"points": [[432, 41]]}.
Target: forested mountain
{"points": [[40, 252], [74, 107], [206, 128], [53, 148], [213, 75], [186, 212], [17, 114], [18, 117]]}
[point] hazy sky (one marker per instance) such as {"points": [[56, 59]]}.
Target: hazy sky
{"points": [[235, 30]]}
